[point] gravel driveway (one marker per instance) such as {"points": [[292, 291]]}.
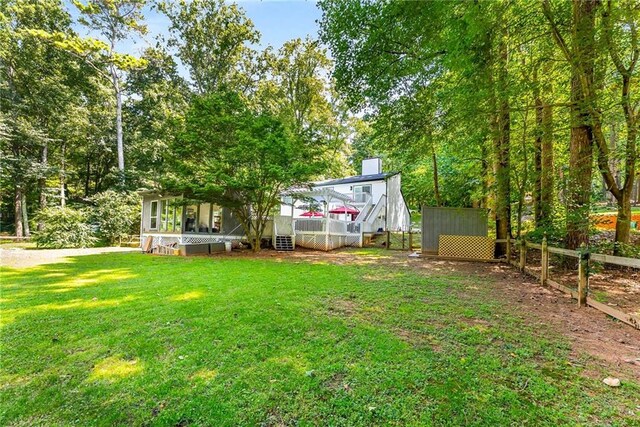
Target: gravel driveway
{"points": [[23, 258]]}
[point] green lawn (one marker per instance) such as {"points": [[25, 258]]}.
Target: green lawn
{"points": [[131, 339]]}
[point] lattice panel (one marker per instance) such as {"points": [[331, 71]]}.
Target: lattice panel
{"points": [[322, 242], [354, 241], [475, 247], [186, 240], [312, 241]]}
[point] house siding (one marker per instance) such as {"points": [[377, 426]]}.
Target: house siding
{"points": [[398, 217]]}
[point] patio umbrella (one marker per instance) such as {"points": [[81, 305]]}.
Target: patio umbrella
{"points": [[310, 214], [346, 210]]}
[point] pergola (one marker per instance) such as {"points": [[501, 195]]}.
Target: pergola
{"points": [[323, 195]]}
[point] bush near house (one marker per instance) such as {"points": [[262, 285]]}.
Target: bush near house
{"points": [[115, 214], [65, 227]]}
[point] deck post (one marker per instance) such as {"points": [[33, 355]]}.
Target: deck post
{"points": [[544, 273], [583, 276], [326, 235], [523, 254]]}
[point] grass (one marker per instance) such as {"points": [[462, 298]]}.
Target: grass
{"points": [[130, 339]]}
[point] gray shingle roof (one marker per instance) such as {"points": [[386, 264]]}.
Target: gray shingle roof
{"points": [[354, 179]]}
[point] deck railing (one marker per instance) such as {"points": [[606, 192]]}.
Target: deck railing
{"points": [[310, 225], [322, 225]]}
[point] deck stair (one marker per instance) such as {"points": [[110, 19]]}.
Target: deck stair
{"points": [[284, 243]]}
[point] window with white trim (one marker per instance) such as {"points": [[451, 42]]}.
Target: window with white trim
{"points": [[361, 193], [153, 223]]}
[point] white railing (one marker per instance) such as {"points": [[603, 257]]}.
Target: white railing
{"points": [[365, 210], [282, 225], [337, 227], [310, 225], [354, 227], [324, 225]]}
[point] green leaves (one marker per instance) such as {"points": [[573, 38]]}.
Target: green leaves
{"points": [[239, 158], [211, 39], [65, 228]]}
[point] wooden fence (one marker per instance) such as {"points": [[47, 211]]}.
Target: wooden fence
{"points": [[584, 260], [402, 240]]}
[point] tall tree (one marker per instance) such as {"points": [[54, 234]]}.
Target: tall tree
{"points": [[239, 158], [38, 83], [620, 25], [115, 20], [621, 38], [297, 87], [211, 39]]}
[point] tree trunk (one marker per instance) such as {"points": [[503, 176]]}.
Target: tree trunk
{"points": [[87, 179], [17, 212], [119, 136], [537, 162], [522, 186], [486, 179], [42, 183], [25, 216], [502, 151], [581, 145], [580, 169], [63, 180], [436, 187], [623, 222], [546, 179]]}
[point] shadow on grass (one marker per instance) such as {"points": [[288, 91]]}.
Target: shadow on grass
{"points": [[134, 339]]}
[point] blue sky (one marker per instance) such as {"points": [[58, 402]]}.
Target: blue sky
{"points": [[276, 20]]}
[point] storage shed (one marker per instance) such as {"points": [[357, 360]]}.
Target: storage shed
{"points": [[438, 222]]}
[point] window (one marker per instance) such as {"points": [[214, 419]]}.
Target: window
{"points": [[361, 193], [203, 217], [153, 223], [216, 219], [166, 215], [178, 220], [190, 219]]}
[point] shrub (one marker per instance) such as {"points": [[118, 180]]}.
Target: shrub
{"points": [[63, 228], [115, 214]]}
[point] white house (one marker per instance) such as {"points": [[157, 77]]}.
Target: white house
{"points": [[329, 214], [347, 207]]}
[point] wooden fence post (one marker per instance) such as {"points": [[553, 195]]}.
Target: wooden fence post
{"points": [[544, 274], [583, 277], [388, 239], [410, 241], [523, 254]]}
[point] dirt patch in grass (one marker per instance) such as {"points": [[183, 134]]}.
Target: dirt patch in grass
{"points": [[338, 382], [589, 330], [418, 339], [343, 308]]}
